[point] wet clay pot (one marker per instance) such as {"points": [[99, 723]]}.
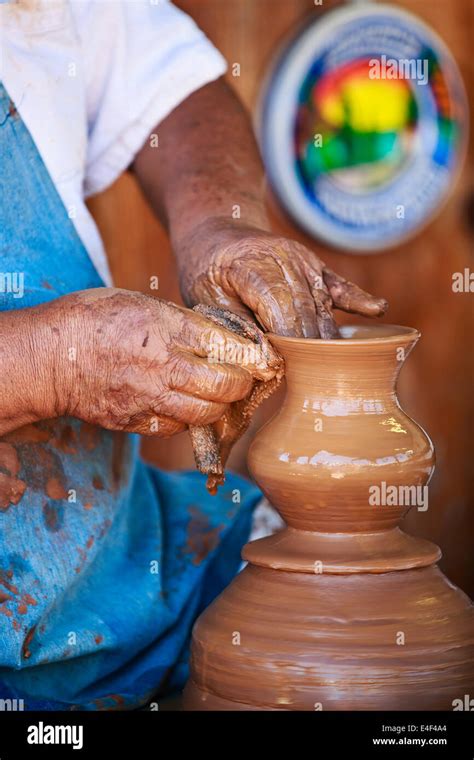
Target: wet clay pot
{"points": [[340, 610]]}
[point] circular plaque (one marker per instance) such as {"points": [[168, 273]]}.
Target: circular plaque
{"points": [[363, 126]]}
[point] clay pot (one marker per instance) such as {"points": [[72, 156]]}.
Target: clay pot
{"points": [[341, 610]]}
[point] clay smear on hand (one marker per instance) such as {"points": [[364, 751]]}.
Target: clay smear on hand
{"points": [[213, 443]]}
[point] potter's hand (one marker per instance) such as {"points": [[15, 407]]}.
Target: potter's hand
{"points": [[126, 361], [282, 283]]}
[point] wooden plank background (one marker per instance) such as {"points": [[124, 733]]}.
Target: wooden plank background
{"points": [[436, 385]]}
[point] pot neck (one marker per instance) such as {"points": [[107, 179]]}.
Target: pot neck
{"points": [[345, 367]]}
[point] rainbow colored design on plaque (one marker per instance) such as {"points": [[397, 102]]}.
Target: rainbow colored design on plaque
{"points": [[361, 129], [364, 124]]}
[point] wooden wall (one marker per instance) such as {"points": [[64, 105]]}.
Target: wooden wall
{"points": [[436, 386]]}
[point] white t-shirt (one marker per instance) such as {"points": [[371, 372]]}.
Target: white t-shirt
{"points": [[90, 79]]}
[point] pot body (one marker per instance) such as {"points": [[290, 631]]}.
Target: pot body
{"points": [[339, 435], [341, 609]]}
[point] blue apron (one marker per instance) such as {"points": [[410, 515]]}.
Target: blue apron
{"points": [[105, 562]]}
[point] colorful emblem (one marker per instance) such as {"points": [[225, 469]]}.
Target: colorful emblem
{"points": [[363, 126]]}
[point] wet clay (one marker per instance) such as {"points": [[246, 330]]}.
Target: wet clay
{"points": [[212, 443], [341, 610]]}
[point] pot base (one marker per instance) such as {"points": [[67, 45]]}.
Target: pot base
{"points": [[277, 640]]}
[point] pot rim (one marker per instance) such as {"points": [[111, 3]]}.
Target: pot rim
{"points": [[400, 332]]}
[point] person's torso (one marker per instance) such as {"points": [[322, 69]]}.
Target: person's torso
{"points": [[41, 66]]}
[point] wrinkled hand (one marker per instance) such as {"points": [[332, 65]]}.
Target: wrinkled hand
{"points": [[282, 283], [141, 364]]}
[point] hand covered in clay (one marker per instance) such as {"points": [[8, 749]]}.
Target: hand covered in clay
{"points": [[141, 364], [280, 282]]}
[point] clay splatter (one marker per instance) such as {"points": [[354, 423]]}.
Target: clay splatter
{"points": [[201, 537], [83, 553], [117, 698], [11, 491], [23, 600], [66, 440], [5, 581], [82, 560], [26, 601], [29, 434], [117, 457], [104, 528], [98, 483], [12, 110], [9, 462], [40, 466], [110, 703], [12, 488], [25, 650], [55, 489], [53, 516], [89, 436]]}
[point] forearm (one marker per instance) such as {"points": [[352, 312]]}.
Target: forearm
{"points": [[206, 166], [28, 391]]}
